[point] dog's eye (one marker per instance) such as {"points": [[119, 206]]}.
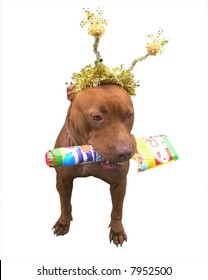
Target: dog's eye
{"points": [[130, 116], [96, 117]]}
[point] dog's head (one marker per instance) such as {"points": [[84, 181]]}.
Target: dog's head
{"points": [[103, 116]]}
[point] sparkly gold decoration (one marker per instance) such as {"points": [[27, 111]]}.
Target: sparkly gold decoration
{"points": [[138, 60], [96, 22], [96, 29], [156, 46], [92, 76]]}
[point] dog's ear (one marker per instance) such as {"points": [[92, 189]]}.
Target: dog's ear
{"points": [[70, 93]]}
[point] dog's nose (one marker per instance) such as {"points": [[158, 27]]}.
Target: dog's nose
{"points": [[124, 152]]}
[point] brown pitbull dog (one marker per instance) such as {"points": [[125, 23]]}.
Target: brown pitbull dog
{"points": [[102, 116]]}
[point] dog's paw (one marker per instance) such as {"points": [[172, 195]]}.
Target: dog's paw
{"points": [[60, 229], [117, 233]]}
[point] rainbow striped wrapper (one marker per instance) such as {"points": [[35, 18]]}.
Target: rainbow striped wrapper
{"points": [[67, 156], [151, 152], [154, 151]]}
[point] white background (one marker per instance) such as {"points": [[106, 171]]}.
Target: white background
{"points": [[165, 211]]}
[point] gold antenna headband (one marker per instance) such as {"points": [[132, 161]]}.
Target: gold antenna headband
{"points": [[98, 74]]}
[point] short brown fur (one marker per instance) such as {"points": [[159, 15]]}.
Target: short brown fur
{"points": [[103, 117]]}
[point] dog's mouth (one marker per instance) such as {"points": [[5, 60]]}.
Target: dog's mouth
{"points": [[111, 165]]}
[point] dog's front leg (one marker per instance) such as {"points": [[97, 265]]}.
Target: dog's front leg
{"points": [[117, 233], [64, 188]]}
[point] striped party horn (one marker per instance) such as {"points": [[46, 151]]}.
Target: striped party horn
{"points": [[150, 152], [73, 155]]}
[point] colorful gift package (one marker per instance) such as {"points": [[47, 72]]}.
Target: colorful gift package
{"points": [[154, 151]]}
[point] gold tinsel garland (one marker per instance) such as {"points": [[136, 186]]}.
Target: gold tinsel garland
{"points": [[92, 76]]}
